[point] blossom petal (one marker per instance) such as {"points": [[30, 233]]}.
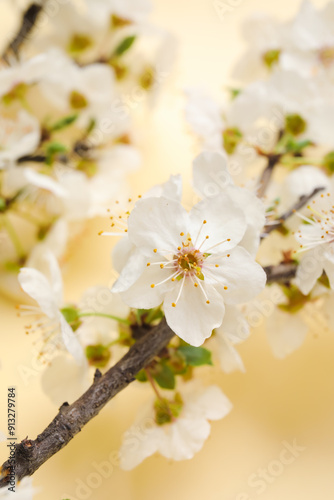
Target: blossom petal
{"points": [[142, 295], [156, 223], [35, 284], [70, 340], [193, 319], [243, 277], [224, 221], [286, 332]]}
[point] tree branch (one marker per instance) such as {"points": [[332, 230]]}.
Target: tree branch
{"points": [[281, 273], [28, 22], [297, 206], [30, 455], [273, 159]]}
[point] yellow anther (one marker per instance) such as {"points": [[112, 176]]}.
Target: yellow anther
{"points": [[196, 285], [100, 232], [148, 264], [208, 301], [155, 250], [153, 285], [204, 222], [162, 266], [173, 304], [225, 287], [206, 237], [216, 265], [182, 234], [228, 239]]}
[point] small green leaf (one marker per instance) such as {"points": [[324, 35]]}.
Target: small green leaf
{"points": [[63, 123], [124, 45], [293, 146], [164, 376], [141, 376], [195, 356]]}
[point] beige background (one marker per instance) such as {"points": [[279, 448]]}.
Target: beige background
{"points": [[275, 401]]}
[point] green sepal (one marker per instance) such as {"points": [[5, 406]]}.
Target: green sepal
{"points": [[98, 355], [271, 57], [63, 123], [295, 124], [164, 376], [195, 356], [124, 45], [231, 139]]}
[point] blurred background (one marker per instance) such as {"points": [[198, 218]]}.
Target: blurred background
{"points": [[275, 402]]}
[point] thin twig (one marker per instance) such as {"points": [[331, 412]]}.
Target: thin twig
{"points": [[28, 22], [281, 273], [273, 159], [276, 224]]}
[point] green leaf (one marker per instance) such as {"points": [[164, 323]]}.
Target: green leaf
{"points": [[293, 146], [63, 123], [124, 45], [141, 376], [195, 356], [164, 376]]}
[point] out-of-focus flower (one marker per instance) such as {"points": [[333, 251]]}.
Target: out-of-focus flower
{"points": [[177, 429]]}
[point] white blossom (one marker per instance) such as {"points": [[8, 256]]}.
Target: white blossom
{"points": [[48, 293], [316, 239], [190, 262], [184, 436]]}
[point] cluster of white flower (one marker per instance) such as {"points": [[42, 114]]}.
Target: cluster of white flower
{"points": [[66, 140], [265, 208], [276, 129]]}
